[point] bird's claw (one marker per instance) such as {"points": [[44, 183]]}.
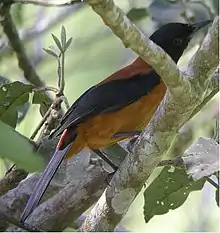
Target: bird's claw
{"points": [[127, 134]]}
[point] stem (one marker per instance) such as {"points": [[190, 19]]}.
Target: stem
{"points": [[212, 182], [53, 89], [61, 82], [40, 124]]}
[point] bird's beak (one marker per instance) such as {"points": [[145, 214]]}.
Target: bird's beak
{"points": [[200, 25]]}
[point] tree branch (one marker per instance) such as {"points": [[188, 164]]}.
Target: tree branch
{"points": [[175, 109], [133, 38], [12, 34], [83, 191], [44, 25], [149, 149], [70, 202], [43, 2]]}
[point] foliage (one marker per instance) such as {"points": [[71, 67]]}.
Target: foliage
{"points": [[13, 95], [17, 149], [168, 191], [171, 188]]}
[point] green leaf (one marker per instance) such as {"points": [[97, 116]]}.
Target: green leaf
{"points": [[12, 96], [136, 14], [50, 52], [168, 191], [63, 37], [68, 44], [42, 99], [15, 148], [3, 80], [56, 40]]}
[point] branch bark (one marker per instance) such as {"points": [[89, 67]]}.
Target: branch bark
{"points": [[173, 112], [134, 39], [66, 198], [182, 98]]}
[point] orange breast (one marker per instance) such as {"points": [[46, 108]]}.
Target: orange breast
{"points": [[97, 131]]}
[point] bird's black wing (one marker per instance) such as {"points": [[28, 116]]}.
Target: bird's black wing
{"points": [[108, 97]]}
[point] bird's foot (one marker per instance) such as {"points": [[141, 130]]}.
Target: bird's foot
{"points": [[109, 177], [127, 134]]}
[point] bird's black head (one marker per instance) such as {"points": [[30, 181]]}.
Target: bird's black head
{"points": [[175, 37]]}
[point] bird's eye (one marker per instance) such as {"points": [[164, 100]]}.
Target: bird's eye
{"points": [[178, 41]]}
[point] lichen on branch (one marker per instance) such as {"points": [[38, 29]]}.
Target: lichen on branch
{"points": [[175, 109]]}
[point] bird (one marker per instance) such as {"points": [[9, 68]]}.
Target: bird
{"points": [[115, 108]]}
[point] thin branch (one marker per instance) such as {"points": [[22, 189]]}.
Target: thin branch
{"points": [[43, 25], [53, 89], [52, 111], [43, 120], [23, 60], [13, 177], [43, 2], [11, 32], [212, 182]]}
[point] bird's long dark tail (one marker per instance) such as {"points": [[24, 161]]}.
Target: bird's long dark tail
{"points": [[46, 178]]}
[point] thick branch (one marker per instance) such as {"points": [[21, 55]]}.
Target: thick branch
{"points": [[130, 35], [11, 180], [70, 196], [175, 109], [73, 200]]}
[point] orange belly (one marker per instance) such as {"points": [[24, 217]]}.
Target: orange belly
{"points": [[97, 132]]}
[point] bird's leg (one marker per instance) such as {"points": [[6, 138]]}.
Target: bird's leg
{"points": [[131, 143], [135, 134], [127, 134], [105, 158], [109, 162]]}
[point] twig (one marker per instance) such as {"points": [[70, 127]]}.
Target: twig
{"points": [[61, 80], [43, 2], [14, 175], [212, 182], [23, 60], [53, 89], [56, 106], [66, 102], [12, 34], [44, 25], [43, 120]]}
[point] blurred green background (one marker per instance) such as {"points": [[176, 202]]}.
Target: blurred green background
{"points": [[94, 54]]}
